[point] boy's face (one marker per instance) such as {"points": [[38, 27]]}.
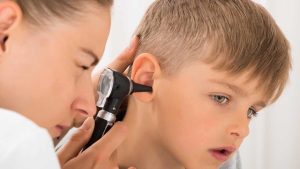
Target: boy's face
{"points": [[47, 73], [203, 114]]}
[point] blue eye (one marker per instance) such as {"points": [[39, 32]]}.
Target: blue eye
{"points": [[220, 99], [251, 113]]}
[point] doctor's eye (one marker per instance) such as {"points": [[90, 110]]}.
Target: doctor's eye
{"points": [[220, 99], [85, 67], [251, 113]]}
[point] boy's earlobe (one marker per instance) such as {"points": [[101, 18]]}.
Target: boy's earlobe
{"points": [[144, 70]]}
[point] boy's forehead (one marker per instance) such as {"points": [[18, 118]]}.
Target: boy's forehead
{"points": [[240, 83]]}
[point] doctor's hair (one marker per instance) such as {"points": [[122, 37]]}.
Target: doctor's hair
{"points": [[235, 36], [40, 12]]}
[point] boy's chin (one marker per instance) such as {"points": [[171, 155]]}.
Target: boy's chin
{"points": [[203, 164]]}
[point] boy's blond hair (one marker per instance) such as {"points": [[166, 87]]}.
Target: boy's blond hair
{"points": [[239, 35]]}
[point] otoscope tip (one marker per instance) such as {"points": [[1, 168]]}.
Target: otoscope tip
{"points": [[140, 88]]}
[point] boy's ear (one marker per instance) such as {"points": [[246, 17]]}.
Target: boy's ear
{"points": [[10, 16], [145, 69]]}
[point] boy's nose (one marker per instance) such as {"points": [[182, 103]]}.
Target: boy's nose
{"points": [[240, 126], [240, 132]]}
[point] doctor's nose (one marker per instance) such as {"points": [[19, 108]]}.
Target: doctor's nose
{"points": [[85, 102]]}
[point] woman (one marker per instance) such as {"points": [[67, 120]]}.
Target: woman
{"points": [[48, 50]]}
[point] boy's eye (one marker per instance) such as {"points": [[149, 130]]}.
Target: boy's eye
{"points": [[251, 113], [220, 99]]}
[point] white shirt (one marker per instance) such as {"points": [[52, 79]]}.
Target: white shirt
{"points": [[24, 145]]}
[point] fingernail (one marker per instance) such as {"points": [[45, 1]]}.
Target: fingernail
{"points": [[87, 124]]}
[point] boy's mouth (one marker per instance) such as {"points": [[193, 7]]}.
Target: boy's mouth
{"points": [[223, 153]]}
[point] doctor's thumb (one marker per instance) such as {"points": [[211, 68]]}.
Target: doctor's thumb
{"points": [[77, 141]]}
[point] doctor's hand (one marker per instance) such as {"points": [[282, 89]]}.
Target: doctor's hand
{"points": [[101, 155]]}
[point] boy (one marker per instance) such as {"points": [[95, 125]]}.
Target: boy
{"points": [[213, 64]]}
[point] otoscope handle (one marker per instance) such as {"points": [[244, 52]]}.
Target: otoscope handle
{"points": [[101, 127]]}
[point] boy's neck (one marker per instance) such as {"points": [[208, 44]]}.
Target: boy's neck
{"points": [[142, 149]]}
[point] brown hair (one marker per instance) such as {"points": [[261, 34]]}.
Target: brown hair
{"points": [[240, 35], [38, 12]]}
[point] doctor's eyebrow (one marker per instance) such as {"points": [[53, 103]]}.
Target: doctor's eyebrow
{"points": [[92, 54]]}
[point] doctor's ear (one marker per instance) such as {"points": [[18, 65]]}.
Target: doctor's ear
{"points": [[10, 15], [145, 69]]}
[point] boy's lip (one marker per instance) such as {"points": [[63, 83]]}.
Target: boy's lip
{"points": [[222, 153]]}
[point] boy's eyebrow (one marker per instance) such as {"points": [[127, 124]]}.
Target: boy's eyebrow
{"points": [[92, 54], [232, 87]]}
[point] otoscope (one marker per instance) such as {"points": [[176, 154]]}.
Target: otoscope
{"points": [[113, 87]]}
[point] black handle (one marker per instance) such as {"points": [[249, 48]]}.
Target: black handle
{"points": [[101, 127]]}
